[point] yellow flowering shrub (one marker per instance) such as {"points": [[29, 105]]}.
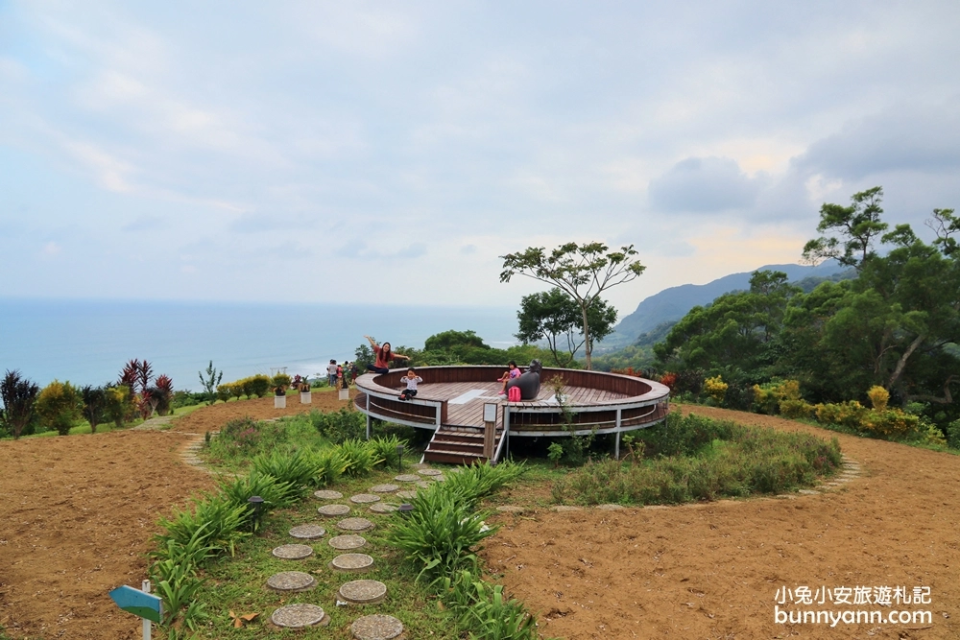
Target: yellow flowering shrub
{"points": [[716, 388], [780, 396], [878, 397]]}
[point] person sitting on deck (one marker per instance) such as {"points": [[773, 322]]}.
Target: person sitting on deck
{"points": [[412, 379], [383, 355], [513, 371], [529, 382]]}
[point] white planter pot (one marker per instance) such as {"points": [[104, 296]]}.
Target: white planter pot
{"points": [[279, 402], [344, 394], [305, 397]]}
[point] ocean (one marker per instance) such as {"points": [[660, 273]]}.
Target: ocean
{"points": [[88, 342]]}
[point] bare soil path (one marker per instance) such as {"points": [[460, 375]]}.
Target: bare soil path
{"points": [[713, 570], [77, 515]]}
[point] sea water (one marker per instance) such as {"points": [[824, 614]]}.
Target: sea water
{"points": [[88, 342]]}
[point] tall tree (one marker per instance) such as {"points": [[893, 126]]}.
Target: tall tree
{"points": [[581, 271], [848, 233], [553, 316]]}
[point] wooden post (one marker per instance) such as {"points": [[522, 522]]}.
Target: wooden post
{"points": [[489, 430]]}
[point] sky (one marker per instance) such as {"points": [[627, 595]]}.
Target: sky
{"points": [[392, 152]]}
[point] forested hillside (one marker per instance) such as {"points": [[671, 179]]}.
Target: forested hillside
{"points": [[896, 325]]}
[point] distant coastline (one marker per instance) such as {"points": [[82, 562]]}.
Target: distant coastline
{"points": [[88, 341]]}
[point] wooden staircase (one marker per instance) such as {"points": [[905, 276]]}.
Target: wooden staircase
{"points": [[458, 445]]}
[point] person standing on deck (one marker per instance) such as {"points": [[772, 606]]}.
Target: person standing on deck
{"points": [[383, 355]]}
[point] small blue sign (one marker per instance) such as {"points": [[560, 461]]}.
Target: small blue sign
{"points": [[139, 603]]}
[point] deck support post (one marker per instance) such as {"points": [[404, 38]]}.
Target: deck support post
{"points": [[616, 446], [368, 417], [506, 431]]}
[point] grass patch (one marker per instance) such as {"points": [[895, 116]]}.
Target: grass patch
{"points": [[695, 458]]}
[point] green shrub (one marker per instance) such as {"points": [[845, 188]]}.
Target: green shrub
{"points": [[119, 403], [385, 448], [216, 520], [483, 609], [297, 469], [60, 406], [339, 426], [359, 456], [682, 435], [709, 459], [471, 484], [225, 392], [275, 494], [439, 536], [331, 464]]}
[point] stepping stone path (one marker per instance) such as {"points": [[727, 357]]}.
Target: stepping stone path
{"points": [[407, 477], [298, 616], [352, 562], [364, 498], [348, 542], [355, 524], [362, 592], [293, 552], [324, 494], [308, 532], [378, 627], [407, 495], [384, 488], [382, 507], [333, 510], [430, 472], [291, 581]]}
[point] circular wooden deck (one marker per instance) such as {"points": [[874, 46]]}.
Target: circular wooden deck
{"points": [[454, 398]]}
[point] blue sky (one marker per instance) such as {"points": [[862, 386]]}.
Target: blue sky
{"points": [[349, 152]]}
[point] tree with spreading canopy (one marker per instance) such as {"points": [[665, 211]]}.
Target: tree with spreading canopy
{"points": [[581, 271], [553, 316]]}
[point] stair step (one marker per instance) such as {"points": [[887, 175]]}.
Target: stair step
{"points": [[455, 446]]}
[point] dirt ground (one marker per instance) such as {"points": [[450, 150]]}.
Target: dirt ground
{"points": [[77, 515], [713, 570]]}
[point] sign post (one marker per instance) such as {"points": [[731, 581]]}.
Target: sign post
{"points": [[140, 603]]}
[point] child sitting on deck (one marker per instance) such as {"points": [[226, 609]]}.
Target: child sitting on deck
{"points": [[412, 379], [513, 371]]}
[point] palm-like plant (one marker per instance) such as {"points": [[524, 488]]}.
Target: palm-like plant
{"points": [[19, 397]]}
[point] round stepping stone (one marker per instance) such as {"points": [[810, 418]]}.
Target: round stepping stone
{"points": [[430, 472], [354, 524], [308, 532], [293, 552], [362, 592], [610, 507], [298, 616], [438, 478], [382, 507], [407, 495], [364, 498], [384, 488], [331, 510], [325, 494], [346, 543], [424, 485], [291, 581], [407, 477], [352, 562], [378, 627]]}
